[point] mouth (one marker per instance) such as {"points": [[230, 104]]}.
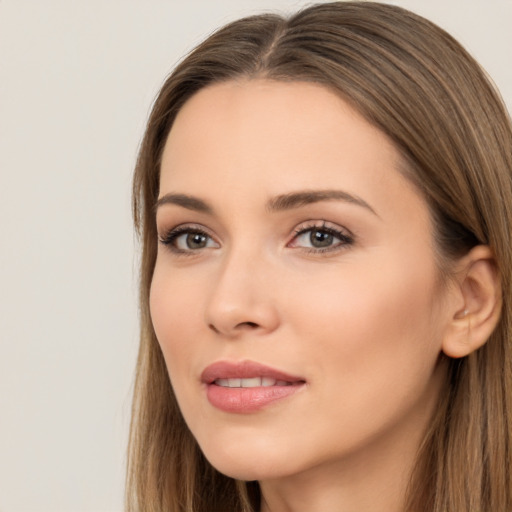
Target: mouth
{"points": [[247, 386], [252, 382]]}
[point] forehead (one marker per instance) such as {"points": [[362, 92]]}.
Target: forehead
{"points": [[275, 114], [262, 137]]}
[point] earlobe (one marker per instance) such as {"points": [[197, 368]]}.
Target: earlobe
{"points": [[479, 287]]}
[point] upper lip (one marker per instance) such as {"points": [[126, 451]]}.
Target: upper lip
{"points": [[244, 370]]}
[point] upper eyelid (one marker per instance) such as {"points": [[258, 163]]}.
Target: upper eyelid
{"points": [[184, 226], [322, 224]]}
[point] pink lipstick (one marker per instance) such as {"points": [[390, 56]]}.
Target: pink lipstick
{"points": [[247, 386]]}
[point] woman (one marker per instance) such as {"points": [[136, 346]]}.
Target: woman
{"points": [[325, 206]]}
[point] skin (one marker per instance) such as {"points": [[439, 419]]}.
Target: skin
{"points": [[362, 323]]}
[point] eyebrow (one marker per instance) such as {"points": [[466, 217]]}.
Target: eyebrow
{"points": [[185, 201], [305, 197], [279, 203]]}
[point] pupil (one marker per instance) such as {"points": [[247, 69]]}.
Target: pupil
{"points": [[196, 241], [320, 238]]}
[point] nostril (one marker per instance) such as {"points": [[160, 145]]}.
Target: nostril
{"points": [[247, 325], [241, 326], [213, 328]]}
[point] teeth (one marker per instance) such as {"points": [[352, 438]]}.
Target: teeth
{"points": [[253, 382]]}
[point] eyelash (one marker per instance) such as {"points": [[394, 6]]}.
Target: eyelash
{"points": [[169, 240], [345, 238]]}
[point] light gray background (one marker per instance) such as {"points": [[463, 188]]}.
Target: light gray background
{"points": [[77, 79]]}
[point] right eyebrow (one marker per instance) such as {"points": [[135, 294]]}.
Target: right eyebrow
{"points": [[185, 201]]}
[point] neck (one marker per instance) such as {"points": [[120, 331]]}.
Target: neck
{"points": [[376, 483]]}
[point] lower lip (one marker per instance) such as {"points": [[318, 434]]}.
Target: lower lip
{"points": [[247, 400]]}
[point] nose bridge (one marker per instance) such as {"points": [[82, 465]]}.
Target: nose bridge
{"points": [[241, 298]]}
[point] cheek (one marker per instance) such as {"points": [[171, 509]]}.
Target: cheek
{"points": [[371, 326], [175, 315], [371, 351]]}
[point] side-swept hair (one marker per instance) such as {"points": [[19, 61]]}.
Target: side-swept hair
{"points": [[414, 82]]}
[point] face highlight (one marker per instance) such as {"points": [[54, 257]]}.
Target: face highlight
{"points": [[295, 295]]}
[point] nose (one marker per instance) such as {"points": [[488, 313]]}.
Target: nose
{"points": [[243, 298]]}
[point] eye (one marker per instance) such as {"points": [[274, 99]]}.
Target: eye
{"points": [[320, 238], [187, 239]]}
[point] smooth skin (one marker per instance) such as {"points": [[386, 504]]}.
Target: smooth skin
{"points": [[341, 288]]}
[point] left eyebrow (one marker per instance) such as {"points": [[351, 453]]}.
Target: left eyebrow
{"points": [[305, 197]]}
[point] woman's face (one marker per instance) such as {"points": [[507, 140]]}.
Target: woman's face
{"points": [[295, 296]]}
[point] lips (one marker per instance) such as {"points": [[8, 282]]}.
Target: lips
{"points": [[247, 386]]}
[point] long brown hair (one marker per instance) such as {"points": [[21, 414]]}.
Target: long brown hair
{"points": [[421, 88]]}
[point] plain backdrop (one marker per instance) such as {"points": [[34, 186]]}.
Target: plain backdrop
{"points": [[77, 79]]}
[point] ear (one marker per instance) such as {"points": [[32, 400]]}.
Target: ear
{"points": [[479, 290]]}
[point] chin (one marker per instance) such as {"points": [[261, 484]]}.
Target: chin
{"points": [[252, 458], [247, 470]]}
